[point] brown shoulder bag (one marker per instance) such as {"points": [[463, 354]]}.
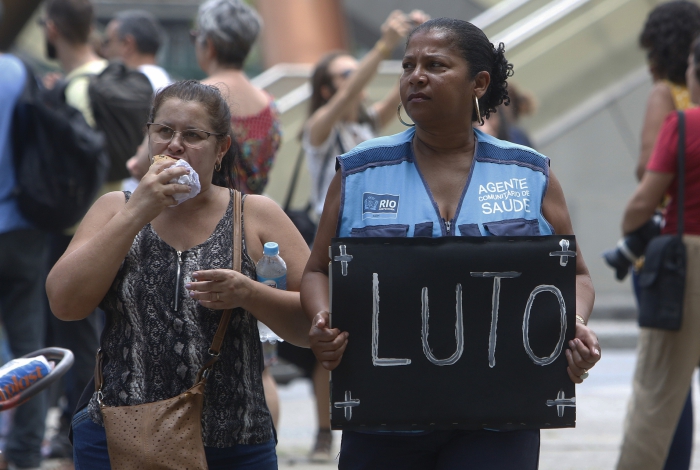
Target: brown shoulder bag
{"points": [[166, 434]]}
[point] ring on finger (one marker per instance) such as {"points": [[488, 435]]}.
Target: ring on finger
{"points": [[584, 376]]}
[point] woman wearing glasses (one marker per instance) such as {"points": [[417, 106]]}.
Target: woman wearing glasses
{"points": [[161, 271]]}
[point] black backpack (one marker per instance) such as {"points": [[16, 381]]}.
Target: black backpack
{"points": [[121, 100], [60, 161]]}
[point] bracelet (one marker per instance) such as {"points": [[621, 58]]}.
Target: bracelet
{"points": [[383, 48], [580, 318]]}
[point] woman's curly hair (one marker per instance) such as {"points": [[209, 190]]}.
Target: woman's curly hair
{"points": [[667, 35], [481, 55]]}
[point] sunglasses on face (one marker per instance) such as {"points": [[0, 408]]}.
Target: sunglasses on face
{"points": [[345, 73]]}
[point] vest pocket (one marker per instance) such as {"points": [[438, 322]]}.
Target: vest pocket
{"points": [[395, 230], [424, 229], [513, 228], [469, 230]]}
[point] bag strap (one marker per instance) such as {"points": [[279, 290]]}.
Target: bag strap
{"points": [[215, 348], [681, 172], [295, 177]]}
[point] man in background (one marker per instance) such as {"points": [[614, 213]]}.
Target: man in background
{"points": [[22, 265], [67, 26], [134, 37]]}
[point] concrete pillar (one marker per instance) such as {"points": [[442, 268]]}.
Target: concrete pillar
{"points": [[301, 31]]}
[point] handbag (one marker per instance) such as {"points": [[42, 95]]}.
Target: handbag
{"points": [[662, 278], [166, 434]]}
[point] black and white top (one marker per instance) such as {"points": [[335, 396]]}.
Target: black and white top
{"points": [[153, 349]]}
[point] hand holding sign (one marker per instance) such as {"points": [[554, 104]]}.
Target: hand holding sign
{"points": [[328, 344], [584, 353]]}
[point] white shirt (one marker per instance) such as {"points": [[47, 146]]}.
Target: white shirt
{"points": [[321, 159]]}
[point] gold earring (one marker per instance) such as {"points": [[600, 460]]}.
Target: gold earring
{"points": [[398, 113], [217, 166], [479, 119]]}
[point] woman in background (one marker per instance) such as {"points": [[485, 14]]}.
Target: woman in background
{"points": [[666, 38], [667, 359], [226, 31]]}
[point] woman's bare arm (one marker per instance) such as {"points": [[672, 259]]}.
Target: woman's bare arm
{"points": [[321, 122], [584, 349], [328, 344], [659, 104], [280, 310], [82, 276], [645, 200]]}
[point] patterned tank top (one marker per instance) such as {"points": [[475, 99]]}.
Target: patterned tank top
{"points": [[154, 348], [258, 137]]}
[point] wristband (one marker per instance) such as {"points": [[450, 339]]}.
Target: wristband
{"points": [[580, 318]]}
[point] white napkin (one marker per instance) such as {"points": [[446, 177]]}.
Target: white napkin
{"points": [[191, 180]]}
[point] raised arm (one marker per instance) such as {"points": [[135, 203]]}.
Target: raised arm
{"points": [[385, 109], [584, 349], [83, 275], [321, 122]]}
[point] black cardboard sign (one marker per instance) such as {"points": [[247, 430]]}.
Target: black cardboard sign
{"points": [[453, 332]]}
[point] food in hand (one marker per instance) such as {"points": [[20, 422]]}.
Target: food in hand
{"points": [[160, 158]]}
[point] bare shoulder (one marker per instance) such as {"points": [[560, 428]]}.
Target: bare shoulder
{"points": [[661, 95], [111, 202], [259, 206]]}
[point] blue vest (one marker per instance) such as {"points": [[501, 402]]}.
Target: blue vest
{"points": [[383, 193]]}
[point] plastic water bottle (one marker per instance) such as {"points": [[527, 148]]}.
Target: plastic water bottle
{"points": [[272, 271]]}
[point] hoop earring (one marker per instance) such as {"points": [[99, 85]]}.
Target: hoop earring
{"points": [[398, 113], [479, 119], [217, 166]]}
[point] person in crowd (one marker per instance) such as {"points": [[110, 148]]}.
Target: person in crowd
{"points": [[452, 77], [68, 25], [23, 253], [134, 37], [666, 359], [150, 240], [338, 121], [666, 38], [226, 31], [504, 123]]}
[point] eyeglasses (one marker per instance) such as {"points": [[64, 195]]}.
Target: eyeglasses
{"points": [[192, 138]]}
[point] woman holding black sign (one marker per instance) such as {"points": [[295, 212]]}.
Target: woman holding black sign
{"points": [[453, 76]]}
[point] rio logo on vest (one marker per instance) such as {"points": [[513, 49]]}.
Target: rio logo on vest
{"points": [[380, 206]]}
